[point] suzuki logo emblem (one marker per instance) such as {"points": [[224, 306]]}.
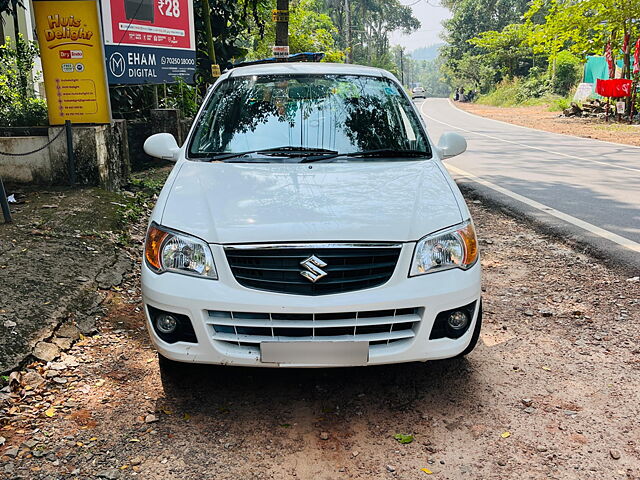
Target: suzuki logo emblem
{"points": [[313, 271]]}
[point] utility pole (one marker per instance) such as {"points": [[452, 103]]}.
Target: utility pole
{"points": [[281, 16], [347, 10], [211, 52], [402, 65]]}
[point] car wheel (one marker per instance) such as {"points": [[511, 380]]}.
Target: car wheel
{"points": [[475, 336]]}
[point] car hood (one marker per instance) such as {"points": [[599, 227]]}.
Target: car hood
{"points": [[359, 201]]}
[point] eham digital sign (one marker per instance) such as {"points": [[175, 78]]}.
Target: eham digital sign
{"points": [[149, 41]]}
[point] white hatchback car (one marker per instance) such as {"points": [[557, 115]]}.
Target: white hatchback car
{"points": [[309, 222]]}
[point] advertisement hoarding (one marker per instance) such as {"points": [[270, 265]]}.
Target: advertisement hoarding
{"points": [[149, 41], [72, 61]]}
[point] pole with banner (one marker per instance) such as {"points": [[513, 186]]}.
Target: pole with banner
{"points": [[72, 57]]}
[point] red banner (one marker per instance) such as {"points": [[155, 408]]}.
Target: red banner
{"points": [[608, 54], [614, 88], [636, 58]]}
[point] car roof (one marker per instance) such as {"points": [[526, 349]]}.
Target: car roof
{"points": [[313, 68]]}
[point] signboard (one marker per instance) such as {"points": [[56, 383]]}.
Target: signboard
{"points": [[280, 51], [72, 61], [149, 41]]}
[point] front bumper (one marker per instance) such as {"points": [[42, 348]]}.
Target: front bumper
{"points": [[195, 297]]}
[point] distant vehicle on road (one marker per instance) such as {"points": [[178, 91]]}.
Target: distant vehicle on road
{"points": [[309, 222], [418, 92]]}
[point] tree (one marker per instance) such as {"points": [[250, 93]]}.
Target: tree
{"points": [[583, 26]]}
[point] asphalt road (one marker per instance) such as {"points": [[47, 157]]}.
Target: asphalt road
{"points": [[586, 189]]}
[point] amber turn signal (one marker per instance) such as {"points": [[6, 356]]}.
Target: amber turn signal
{"points": [[468, 235], [153, 246]]}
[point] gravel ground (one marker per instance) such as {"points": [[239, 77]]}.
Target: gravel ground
{"points": [[551, 392], [541, 118]]}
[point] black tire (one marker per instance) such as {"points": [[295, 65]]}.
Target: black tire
{"points": [[475, 336]]}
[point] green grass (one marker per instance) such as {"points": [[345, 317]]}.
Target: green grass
{"points": [[506, 94]]}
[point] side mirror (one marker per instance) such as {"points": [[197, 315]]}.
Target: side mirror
{"points": [[451, 144], [162, 145]]}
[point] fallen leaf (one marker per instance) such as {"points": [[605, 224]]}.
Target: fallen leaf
{"points": [[50, 412], [546, 368], [167, 412], [186, 416], [402, 438], [133, 440], [149, 360], [505, 434], [100, 382], [427, 471]]}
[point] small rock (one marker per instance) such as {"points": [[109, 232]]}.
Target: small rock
{"points": [[528, 313], [150, 418], [355, 454], [324, 435], [391, 468], [136, 461], [69, 331], [9, 324], [69, 360], [2, 440], [570, 413], [30, 443], [45, 351], [502, 462], [82, 279], [615, 454], [32, 379], [11, 452], [526, 402], [39, 453], [529, 410], [62, 343], [60, 380], [541, 448], [109, 474]]}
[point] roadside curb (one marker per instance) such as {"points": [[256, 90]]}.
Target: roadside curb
{"points": [[608, 252]]}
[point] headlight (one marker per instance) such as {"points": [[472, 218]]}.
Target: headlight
{"points": [[169, 251], [456, 247]]}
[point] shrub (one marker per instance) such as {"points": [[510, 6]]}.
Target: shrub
{"points": [[18, 104], [568, 72], [536, 85]]}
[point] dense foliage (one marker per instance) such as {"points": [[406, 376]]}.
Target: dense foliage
{"points": [[18, 103], [534, 47]]}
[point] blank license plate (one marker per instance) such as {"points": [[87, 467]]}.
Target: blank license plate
{"points": [[315, 353]]}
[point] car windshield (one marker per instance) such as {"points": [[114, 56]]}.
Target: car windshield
{"points": [[295, 115]]}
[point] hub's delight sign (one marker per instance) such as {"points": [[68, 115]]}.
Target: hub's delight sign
{"points": [[149, 41], [72, 61]]}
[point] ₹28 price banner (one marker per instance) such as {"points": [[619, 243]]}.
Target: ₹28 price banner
{"points": [[149, 41]]}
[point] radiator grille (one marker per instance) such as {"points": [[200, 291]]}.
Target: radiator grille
{"points": [[279, 269]]}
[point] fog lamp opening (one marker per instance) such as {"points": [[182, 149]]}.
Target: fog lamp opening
{"points": [[166, 323], [458, 320]]}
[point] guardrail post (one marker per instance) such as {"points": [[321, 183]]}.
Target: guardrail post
{"points": [[71, 164], [4, 203]]}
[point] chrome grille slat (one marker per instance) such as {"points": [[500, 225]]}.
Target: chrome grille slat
{"points": [[347, 322], [368, 337]]}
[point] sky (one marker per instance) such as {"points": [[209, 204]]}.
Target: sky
{"points": [[430, 16]]}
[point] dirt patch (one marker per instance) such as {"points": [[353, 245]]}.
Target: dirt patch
{"points": [[541, 118], [550, 393]]}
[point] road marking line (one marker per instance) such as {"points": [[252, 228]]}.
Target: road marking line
{"points": [[601, 232], [538, 130], [524, 144]]}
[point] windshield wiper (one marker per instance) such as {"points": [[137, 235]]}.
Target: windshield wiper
{"points": [[381, 153], [288, 151]]}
